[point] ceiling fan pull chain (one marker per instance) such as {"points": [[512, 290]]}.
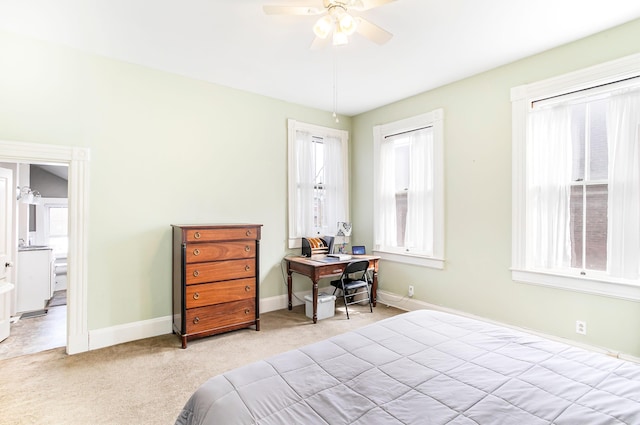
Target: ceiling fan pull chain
{"points": [[335, 88]]}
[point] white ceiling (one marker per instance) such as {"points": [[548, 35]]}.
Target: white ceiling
{"points": [[233, 43]]}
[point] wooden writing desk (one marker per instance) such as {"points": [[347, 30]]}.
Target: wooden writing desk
{"points": [[315, 270]]}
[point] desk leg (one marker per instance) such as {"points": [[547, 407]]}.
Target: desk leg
{"points": [[315, 301], [374, 288], [289, 285]]}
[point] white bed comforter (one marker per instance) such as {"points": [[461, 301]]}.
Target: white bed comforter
{"points": [[424, 367]]}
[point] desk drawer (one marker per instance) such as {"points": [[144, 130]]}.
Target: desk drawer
{"points": [[218, 316], [220, 292], [203, 252], [220, 270]]}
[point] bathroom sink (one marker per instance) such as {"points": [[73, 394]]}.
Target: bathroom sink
{"points": [[33, 247]]}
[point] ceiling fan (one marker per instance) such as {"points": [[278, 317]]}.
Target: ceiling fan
{"points": [[337, 20]]}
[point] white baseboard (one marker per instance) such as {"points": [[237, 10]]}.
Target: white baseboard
{"points": [[403, 303], [78, 343], [106, 337], [128, 332], [410, 304]]}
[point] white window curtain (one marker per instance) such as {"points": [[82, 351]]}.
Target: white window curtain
{"points": [[387, 225], [420, 209], [623, 235], [549, 153], [303, 156], [302, 180], [335, 192], [419, 227]]}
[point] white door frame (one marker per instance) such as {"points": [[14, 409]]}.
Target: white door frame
{"points": [[77, 159]]}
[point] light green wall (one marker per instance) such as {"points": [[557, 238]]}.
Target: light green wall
{"points": [[164, 150], [167, 149], [477, 139]]}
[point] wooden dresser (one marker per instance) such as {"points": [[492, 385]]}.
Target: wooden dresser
{"points": [[215, 279]]}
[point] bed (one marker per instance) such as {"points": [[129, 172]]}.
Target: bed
{"points": [[424, 367]]}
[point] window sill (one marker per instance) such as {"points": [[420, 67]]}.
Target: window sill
{"points": [[416, 260], [590, 285]]}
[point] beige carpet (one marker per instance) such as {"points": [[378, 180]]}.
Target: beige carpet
{"points": [[148, 381]]}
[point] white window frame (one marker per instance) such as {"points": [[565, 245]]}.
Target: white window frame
{"points": [[595, 78], [433, 119], [294, 240], [42, 220]]}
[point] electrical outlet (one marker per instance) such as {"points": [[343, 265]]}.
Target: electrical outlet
{"points": [[410, 290], [581, 327]]}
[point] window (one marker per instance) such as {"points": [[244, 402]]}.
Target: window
{"points": [[576, 191], [589, 186], [318, 181], [52, 218], [409, 190], [58, 230]]}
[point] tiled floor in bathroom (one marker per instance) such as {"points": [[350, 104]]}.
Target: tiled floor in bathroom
{"points": [[34, 334]]}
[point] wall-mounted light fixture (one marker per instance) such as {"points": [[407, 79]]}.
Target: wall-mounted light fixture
{"points": [[28, 196]]}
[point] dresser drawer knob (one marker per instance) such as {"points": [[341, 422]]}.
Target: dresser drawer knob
{"points": [[247, 310], [196, 320], [196, 273], [196, 295], [247, 248], [247, 288], [247, 268], [196, 252], [196, 235], [249, 232]]}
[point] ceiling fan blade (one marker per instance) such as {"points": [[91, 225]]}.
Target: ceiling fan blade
{"points": [[319, 43], [368, 4], [292, 10], [372, 31]]}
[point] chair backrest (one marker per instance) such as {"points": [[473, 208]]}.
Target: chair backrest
{"points": [[355, 267]]}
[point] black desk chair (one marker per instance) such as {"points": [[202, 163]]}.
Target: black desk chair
{"points": [[354, 285]]}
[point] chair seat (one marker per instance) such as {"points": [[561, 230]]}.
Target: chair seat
{"points": [[349, 283], [354, 284]]}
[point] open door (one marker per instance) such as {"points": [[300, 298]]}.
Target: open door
{"points": [[6, 215]]}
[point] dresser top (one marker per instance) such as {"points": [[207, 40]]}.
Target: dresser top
{"points": [[215, 226]]}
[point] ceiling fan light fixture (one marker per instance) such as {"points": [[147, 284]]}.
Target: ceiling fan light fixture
{"points": [[340, 37], [347, 23], [334, 19], [323, 26]]}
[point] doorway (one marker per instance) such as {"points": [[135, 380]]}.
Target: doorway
{"points": [[38, 317], [77, 160]]}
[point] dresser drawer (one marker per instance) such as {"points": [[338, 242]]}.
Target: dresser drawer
{"points": [[222, 234], [220, 270], [220, 292], [201, 252], [203, 319]]}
